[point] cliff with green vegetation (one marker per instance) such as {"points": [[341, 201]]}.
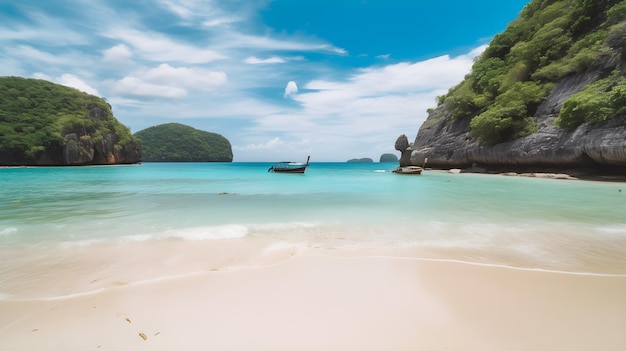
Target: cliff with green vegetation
{"points": [[548, 92], [175, 142], [46, 124]]}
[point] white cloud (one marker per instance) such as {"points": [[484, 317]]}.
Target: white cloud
{"points": [[272, 144], [177, 8], [216, 22], [138, 87], [240, 40], [255, 61], [29, 53], [156, 47], [170, 82], [291, 89], [118, 53], [71, 80], [430, 74], [44, 28], [196, 78]]}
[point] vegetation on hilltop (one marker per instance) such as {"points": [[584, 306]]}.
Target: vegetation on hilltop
{"points": [[550, 40], [36, 115], [175, 142]]}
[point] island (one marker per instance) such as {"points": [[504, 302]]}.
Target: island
{"points": [[175, 142], [47, 124]]}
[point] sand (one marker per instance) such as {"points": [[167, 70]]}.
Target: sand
{"points": [[315, 301]]}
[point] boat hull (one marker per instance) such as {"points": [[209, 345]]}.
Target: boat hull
{"points": [[290, 167], [288, 170], [409, 170]]}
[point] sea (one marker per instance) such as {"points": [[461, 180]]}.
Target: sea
{"points": [[71, 230]]}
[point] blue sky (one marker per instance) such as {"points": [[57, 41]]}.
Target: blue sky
{"points": [[280, 79]]}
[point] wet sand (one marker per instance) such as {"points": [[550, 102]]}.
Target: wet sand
{"points": [[319, 302]]}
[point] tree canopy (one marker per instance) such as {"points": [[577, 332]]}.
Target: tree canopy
{"points": [[550, 40]]}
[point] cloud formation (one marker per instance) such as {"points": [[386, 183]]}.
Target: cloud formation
{"points": [[256, 61], [291, 89], [170, 82]]}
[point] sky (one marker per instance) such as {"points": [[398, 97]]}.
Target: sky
{"points": [[280, 79]]}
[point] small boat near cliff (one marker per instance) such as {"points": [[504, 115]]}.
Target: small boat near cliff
{"points": [[290, 167], [409, 170]]}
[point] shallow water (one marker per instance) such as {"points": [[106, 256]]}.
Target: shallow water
{"points": [[50, 214]]}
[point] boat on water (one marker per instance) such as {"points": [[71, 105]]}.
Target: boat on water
{"points": [[409, 170], [290, 167]]}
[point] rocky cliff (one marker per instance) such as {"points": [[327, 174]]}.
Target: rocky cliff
{"points": [[46, 124], [83, 149], [589, 143], [448, 144]]}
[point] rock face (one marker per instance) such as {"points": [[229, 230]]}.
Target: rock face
{"points": [[447, 143], [79, 149], [46, 124], [402, 145], [82, 150]]}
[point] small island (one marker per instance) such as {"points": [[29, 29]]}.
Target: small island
{"points": [[361, 160], [175, 142]]}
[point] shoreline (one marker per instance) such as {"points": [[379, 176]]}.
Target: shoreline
{"points": [[316, 302], [543, 173], [191, 275], [59, 272]]}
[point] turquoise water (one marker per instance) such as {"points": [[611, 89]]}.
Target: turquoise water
{"points": [[528, 222]]}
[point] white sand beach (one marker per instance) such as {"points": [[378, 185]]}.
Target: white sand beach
{"points": [[314, 301]]}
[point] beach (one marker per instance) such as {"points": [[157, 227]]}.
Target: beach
{"points": [[347, 257], [321, 300]]}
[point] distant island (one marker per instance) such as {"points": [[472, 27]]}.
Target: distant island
{"points": [[175, 142], [362, 160], [47, 124]]}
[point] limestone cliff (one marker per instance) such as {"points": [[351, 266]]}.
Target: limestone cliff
{"points": [[46, 124], [548, 93], [448, 143]]}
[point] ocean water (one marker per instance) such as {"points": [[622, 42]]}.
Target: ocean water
{"points": [[53, 219]]}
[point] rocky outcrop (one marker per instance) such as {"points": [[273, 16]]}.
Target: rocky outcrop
{"points": [[402, 145], [47, 124], [81, 149], [448, 144]]}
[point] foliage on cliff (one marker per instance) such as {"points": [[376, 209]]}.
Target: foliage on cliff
{"points": [[550, 40], [36, 116], [175, 142]]}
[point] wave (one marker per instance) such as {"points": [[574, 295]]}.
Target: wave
{"points": [[218, 232], [7, 231]]}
